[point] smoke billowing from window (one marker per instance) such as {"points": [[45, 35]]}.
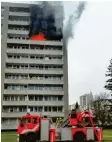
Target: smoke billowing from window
{"points": [[47, 21]]}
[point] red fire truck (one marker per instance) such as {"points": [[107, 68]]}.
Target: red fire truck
{"points": [[78, 127], [33, 128], [81, 127]]}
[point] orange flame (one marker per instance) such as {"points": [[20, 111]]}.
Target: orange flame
{"points": [[40, 36]]}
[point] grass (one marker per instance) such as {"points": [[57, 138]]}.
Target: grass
{"points": [[8, 137], [107, 135], [12, 136]]}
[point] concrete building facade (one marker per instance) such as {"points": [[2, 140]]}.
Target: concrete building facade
{"points": [[85, 100], [34, 74]]}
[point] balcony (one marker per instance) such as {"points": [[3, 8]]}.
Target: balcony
{"points": [[19, 114], [33, 81], [34, 71], [27, 41], [39, 92], [11, 126], [13, 31], [33, 52], [19, 14], [34, 61], [14, 22], [33, 103]]}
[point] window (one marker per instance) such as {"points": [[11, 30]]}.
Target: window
{"points": [[54, 109], [9, 56], [40, 98], [31, 98], [6, 98], [12, 98], [33, 48], [46, 58], [45, 108], [2, 7], [59, 109], [40, 109], [60, 98], [13, 87], [35, 108], [54, 98], [25, 121], [16, 98], [9, 47], [34, 120], [5, 120], [49, 109], [31, 87], [28, 120], [31, 109], [14, 66], [36, 98], [32, 57], [11, 109], [22, 98], [46, 98], [18, 57], [24, 56]]}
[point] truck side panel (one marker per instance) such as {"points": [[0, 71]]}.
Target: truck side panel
{"points": [[66, 134], [44, 134]]}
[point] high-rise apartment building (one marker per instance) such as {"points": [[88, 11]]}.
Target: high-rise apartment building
{"points": [[85, 100], [33, 72]]}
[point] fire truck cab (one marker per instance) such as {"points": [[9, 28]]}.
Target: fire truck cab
{"points": [[33, 128]]}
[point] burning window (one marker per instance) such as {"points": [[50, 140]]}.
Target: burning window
{"points": [[43, 23]]}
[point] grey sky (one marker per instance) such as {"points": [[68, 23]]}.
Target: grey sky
{"points": [[90, 50]]}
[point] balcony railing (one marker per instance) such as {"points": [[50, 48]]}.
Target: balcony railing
{"points": [[33, 103], [18, 22], [34, 81], [38, 52], [19, 13], [19, 114], [34, 61], [35, 71], [14, 31], [24, 92], [24, 40]]}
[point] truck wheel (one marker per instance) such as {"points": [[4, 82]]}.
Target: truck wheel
{"points": [[79, 137], [21, 138], [31, 137]]}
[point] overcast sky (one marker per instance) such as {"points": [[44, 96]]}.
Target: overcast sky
{"points": [[90, 50]]}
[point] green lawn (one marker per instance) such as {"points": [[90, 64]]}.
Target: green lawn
{"points": [[12, 136], [8, 137], [107, 135]]}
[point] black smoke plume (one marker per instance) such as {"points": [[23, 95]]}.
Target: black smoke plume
{"points": [[68, 30], [43, 20]]}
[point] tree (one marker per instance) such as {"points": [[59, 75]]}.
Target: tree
{"points": [[76, 105], [108, 85], [101, 111], [102, 96]]}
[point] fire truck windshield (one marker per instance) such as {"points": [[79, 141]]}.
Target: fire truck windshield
{"points": [[25, 121], [34, 120]]}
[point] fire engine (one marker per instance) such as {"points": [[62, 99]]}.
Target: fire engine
{"points": [[78, 127], [33, 128]]}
